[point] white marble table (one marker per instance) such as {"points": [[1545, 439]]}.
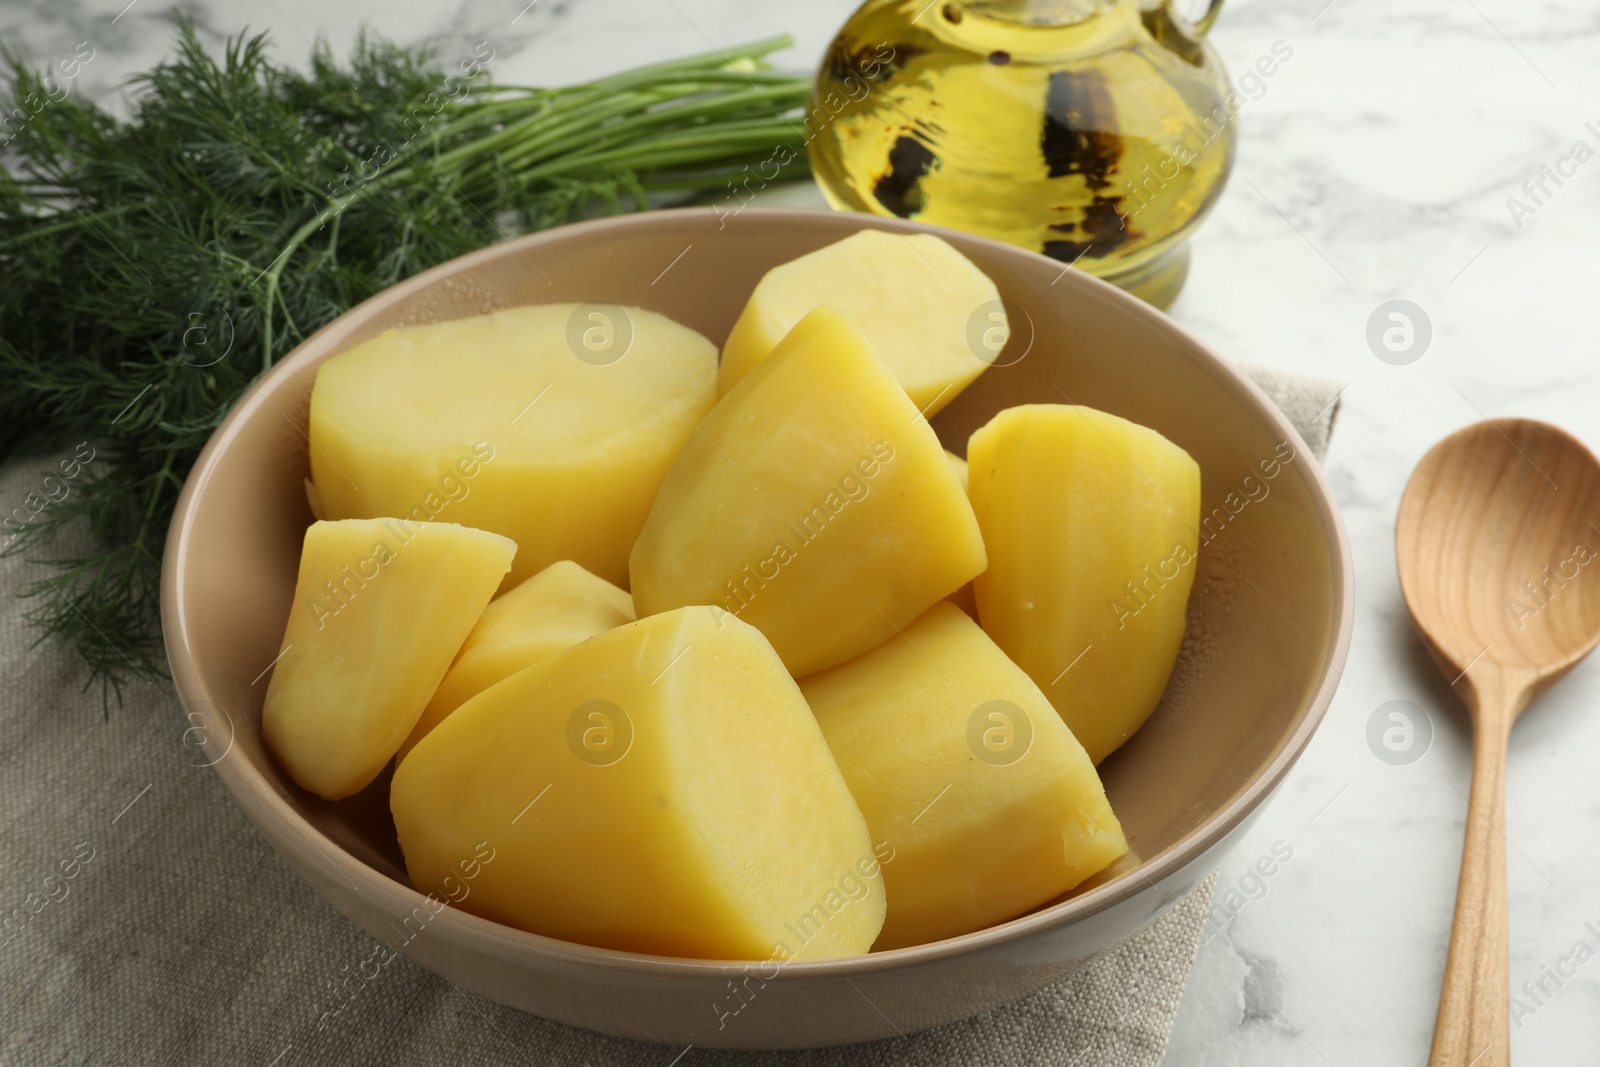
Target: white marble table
{"points": [[1377, 165]]}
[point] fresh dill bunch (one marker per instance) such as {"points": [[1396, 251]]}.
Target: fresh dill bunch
{"points": [[154, 267]]}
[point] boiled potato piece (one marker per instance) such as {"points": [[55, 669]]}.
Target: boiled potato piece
{"points": [[1092, 526], [381, 607], [934, 317], [963, 598], [659, 788], [552, 424], [555, 609], [814, 504], [963, 768]]}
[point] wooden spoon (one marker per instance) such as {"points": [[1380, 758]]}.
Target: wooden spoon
{"points": [[1498, 545]]}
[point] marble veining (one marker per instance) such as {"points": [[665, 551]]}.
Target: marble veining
{"points": [[1378, 164]]}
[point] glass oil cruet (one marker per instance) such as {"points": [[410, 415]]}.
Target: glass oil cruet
{"points": [[1098, 132]]}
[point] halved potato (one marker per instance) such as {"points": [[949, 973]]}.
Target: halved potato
{"points": [[814, 504], [661, 787], [934, 317], [1092, 527], [963, 768], [381, 606], [551, 424]]}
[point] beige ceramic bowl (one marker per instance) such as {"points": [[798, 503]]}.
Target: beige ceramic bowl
{"points": [[1269, 626]]}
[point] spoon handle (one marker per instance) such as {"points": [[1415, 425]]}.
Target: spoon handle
{"points": [[1473, 1026]]}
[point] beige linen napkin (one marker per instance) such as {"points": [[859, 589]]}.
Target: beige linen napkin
{"points": [[143, 919]]}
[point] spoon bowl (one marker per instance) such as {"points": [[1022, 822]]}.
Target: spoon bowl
{"points": [[1498, 546], [1496, 537]]}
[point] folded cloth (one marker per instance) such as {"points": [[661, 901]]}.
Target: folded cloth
{"points": [[144, 920]]}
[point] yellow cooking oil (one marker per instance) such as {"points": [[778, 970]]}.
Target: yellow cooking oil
{"points": [[1097, 133]]}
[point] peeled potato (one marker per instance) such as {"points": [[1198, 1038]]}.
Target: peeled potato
{"points": [[934, 317], [659, 788], [381, 607], [963, 768], [555, 609], [814, 504], [552, 424], [1092, 527]]}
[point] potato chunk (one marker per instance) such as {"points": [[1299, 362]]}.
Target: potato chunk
{"points": [[555, 609], [552, 424], [381, 607], [962, 767], [814, 504], [1092, 526], [930, 312], [660, 788]]}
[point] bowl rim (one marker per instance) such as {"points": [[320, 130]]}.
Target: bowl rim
{"points": [[262, 801]]}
